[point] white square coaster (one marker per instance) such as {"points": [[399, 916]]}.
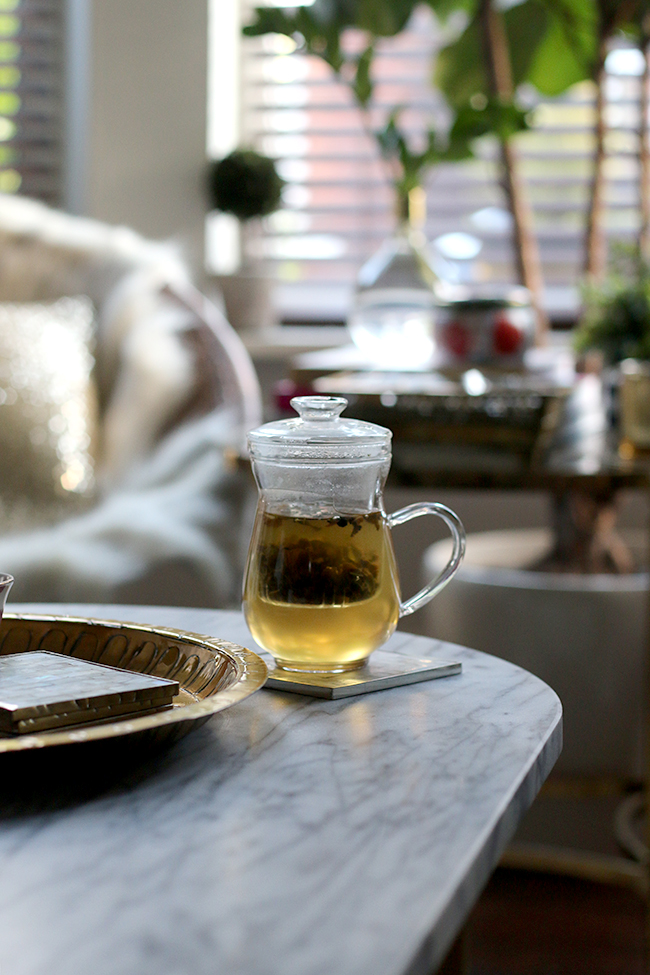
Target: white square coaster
{"points": [[384, 669]]}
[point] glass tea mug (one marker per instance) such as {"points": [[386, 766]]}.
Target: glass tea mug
{"points": [[321, 588]]}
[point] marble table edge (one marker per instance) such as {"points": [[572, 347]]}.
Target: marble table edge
{"points": [[435, 945]]}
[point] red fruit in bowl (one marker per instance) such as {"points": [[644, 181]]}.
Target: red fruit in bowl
{"points": [[456, 338], [507, 338]]}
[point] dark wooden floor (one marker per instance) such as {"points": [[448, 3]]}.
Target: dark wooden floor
{"points": [[536, 924]]}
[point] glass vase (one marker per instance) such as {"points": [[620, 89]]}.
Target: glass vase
{"points": [[393, 312]]}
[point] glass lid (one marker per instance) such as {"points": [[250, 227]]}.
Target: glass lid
{"points": [[320, 431]]}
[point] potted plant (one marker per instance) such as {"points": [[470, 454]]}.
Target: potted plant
{"points": [[616, 317], [615, 326], [394, 296], [546, 44], [245, 184], [320, 30]]}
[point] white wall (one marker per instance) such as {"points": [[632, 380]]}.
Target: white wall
{"points": [[143, 157]]}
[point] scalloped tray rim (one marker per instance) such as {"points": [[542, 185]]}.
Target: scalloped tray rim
{"points": [[251, 675]]}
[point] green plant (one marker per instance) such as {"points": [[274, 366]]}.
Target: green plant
{"points": [[320, 29], [552, 45], [616, 319], [549, 44], [245, 184], [501, 47]]}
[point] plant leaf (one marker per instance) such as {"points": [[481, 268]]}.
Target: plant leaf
{"points": [[320, 26], [271, 20], [552, 45], [383, 18], [459, 70], [567, 52], [388, 137], [525, 25], [362, 85], [445, 8], [502, 119]]}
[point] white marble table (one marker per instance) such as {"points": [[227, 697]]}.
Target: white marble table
{"points": [[288, 836]]}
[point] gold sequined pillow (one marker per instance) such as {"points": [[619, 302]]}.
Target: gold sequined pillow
{"points": [[48, 411]]}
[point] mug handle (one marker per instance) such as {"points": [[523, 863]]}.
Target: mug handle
{"points": [[455, 526]]}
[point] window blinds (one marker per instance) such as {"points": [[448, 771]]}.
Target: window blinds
{"points": [[31, 98], [338, 201]]}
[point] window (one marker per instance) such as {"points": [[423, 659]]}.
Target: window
{"points": [[338, 203], [31, 98]]}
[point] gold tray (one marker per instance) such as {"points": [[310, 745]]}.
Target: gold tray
{"points": [[213, 674]]}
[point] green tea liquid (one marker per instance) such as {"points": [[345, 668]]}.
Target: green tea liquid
{"points": [[321, 593]]}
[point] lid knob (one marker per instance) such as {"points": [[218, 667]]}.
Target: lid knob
{"points": [[319, 408]]}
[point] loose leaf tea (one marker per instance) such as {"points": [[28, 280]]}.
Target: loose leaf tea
{"points": [[321, 593], [319, 560]]}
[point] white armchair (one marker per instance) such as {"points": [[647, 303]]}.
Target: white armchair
{"points": [[177, 392]]}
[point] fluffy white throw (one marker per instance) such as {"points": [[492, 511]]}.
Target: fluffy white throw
{"points": [[169, 504]]}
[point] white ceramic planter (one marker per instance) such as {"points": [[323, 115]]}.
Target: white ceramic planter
{"points": [[584, 635], [248, 300]]}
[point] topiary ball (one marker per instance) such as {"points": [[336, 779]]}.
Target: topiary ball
{"points": [[246, 184]]}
